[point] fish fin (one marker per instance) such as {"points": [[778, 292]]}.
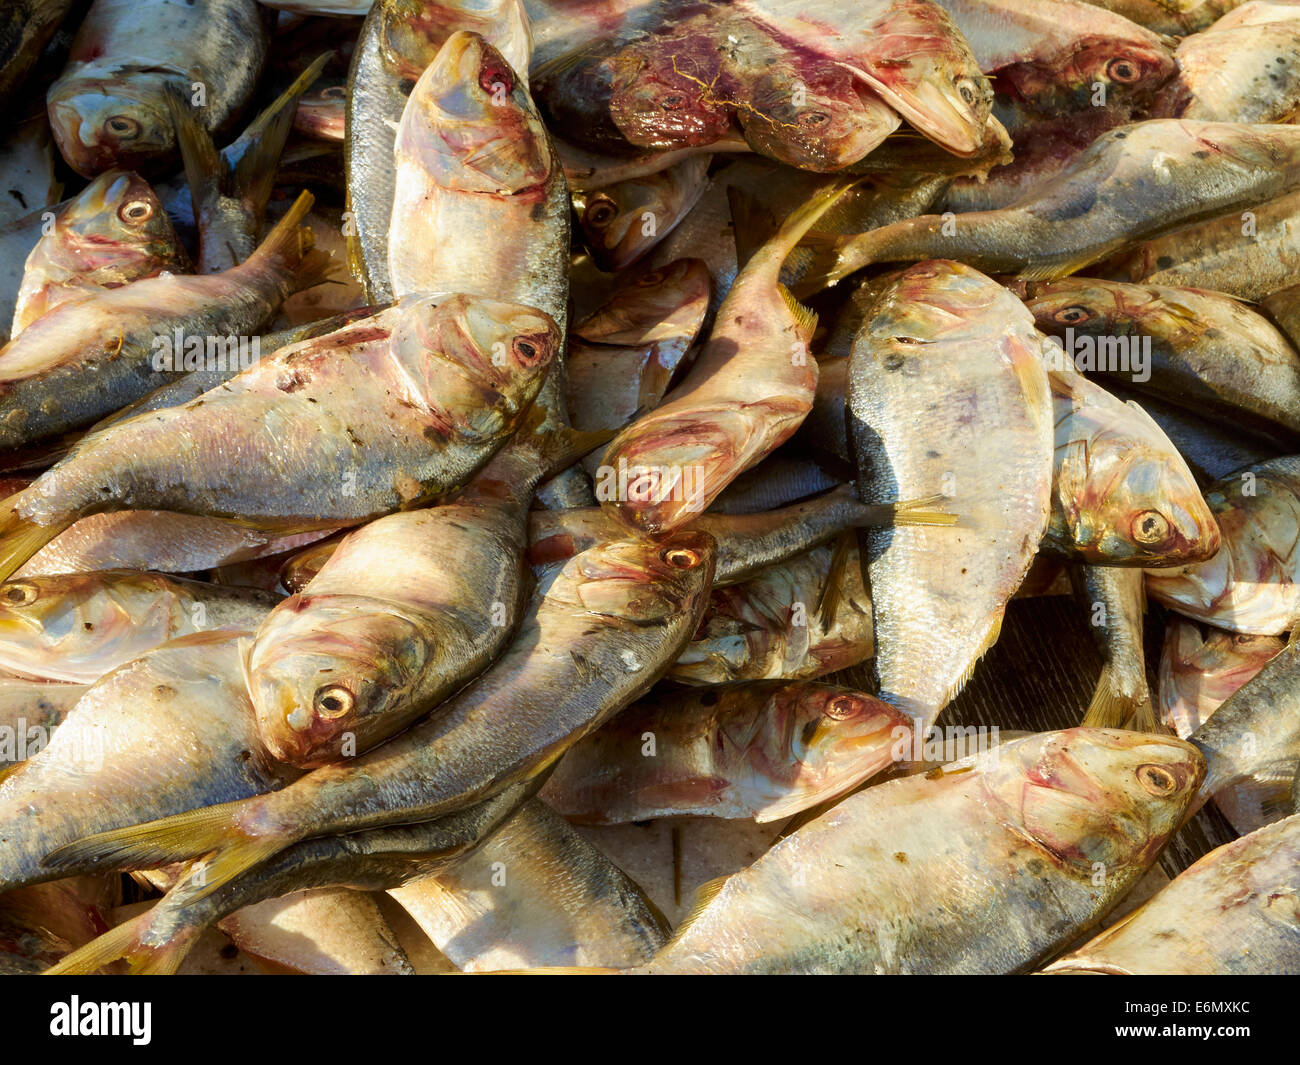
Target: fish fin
{"points": [[1111, 708], [253, 172], [114, 945], [704, 894], [910, 512], [206, 172], [805, 318], [1058, 268], [799, 221], [194, 834], [995, 630], [20, 539], [752, 225], [823, 267], [829, 603], [291, 244], [10, 770], [1293, 637]]}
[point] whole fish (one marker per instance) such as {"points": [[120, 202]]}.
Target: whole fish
{"points": [[77, 627], [109, 107], [158, 940], [169, 731], [373, 643], [803, 618], [1244, 253], [323, 405], [871, 886], [26, 27], [596, 639], [761, 750], [1239, 73], [1232, 913], [399, 39], [1251, 744], [121, 336], [1121, 493], [1106, 198], [746, 393], [1112, 597], [562, 902], [1200, 669], [30, 712], [1200, 350], [948, 394], [1250, 586], [113, 232], [621, 223]]}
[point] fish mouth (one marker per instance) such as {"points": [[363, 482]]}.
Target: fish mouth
{"points": [[936, 110]]}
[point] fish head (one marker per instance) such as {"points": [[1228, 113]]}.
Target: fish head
{"points": [[664, 94], [1094, 798], [117, 217], [471, 126], [1122, 73], [613, 219], [78, 625], [639, 581], [819, 742], [1200, 670], [328, 670], [482, 361], [665, 304], [822, 123], [111, 121]]}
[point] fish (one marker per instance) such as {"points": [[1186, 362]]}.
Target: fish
{"points": [[536, 893], [120, 334], [763, 750], [113, 232], [802, 618], [1200, 350], [1238, 73], [27, 27], [157, 941], [322, 113], [911, 54], [77, 627], [1246, 254], [1121, 493], [1251, 744], [168, 731], [1114, 600], [745, 394], [1174, 17], [1232, 913], [944, 373], [778, 481], [108, 108], [398, 40], [1200, 667], [622, 223], [1105, 198], [592, 642], [868, 887], [1250, 585], [458, 408], [1283, 308], [30, 712]]}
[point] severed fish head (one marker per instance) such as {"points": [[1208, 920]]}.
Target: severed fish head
{"points": [[104, 119]]}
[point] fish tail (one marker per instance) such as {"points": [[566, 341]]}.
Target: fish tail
{"points": [[287, 249], [773, 253], [123, 943], [20, 538], [907, 512], [204, 167], [210, 831], [1113, 707]]}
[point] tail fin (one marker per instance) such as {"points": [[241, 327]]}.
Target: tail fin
{"points": [[287, 249], [194, 834], [772, 255], [20, 539], [123, 943], [258, 149], [907, 512], [1113, 706]]}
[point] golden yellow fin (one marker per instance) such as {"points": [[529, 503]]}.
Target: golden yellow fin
{"points": [[805, 318], [1111, 708], [990, 638], [833, 589], [20, 539], [114, 945], [704, 894], [194, 834], [1056, 269]]}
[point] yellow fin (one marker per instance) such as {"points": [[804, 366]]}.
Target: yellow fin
{"points": [[20, 539], [990, 638], [1110, 708], [829, 603], [1056, 269], [704, 894], [805, 318], [114, 945]]}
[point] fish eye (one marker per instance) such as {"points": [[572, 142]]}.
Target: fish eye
{"points": [[135, 212], [1157, 780], [333, 701], [673, 102], [334, 92], [1150, 527], [20, 593], [600, 212], [526, 351], [813, 118], [1124, 71], [1069, 315], [841, 707], [966, 88], [494, 78], [680, 557], [650, 279], [122, 126]]}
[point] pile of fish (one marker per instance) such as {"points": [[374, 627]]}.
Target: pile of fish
{"points": [[459, 455]]}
